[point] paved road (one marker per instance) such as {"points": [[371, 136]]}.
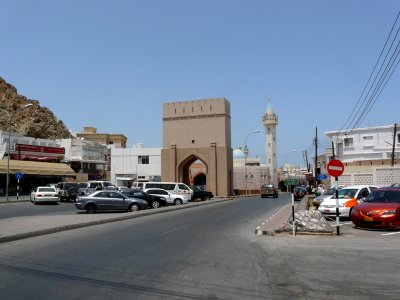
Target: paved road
{"points": [[207, 252], [18, 209]]}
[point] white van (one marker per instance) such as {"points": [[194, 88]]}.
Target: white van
{"points": [[174, 187]]}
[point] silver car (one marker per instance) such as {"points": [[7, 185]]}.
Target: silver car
{"points": [[109, 200]]}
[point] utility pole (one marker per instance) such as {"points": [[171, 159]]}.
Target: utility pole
{"points": [[394, 142], [316, 157], [333, 150]]}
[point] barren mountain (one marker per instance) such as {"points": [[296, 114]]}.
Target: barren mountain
{"points": [[34, 121]]}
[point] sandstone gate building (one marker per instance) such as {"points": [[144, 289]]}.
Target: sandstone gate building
{"points": [[198, 130]]}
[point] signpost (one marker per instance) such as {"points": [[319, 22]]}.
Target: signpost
{"points": [[18, 175], [322, 176], [336, 168]]}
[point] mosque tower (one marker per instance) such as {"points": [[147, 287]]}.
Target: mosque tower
{"points": [[270, 121]]}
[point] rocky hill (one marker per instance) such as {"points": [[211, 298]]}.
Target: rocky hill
{"points": [[34, 121]]}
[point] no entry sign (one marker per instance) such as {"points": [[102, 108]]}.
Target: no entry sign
{"points": [[335, 168]]}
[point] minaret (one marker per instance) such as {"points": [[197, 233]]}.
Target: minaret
{"points": [[270, 121]]}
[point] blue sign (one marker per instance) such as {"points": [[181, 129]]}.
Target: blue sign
{"points": [[19, 175], [322, 176]]}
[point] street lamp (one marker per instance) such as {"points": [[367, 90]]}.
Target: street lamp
{"points": [[246, 152], [9, 145]]}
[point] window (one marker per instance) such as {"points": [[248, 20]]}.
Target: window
{"points": [[143, 159], [398, 138], [183, 187], [348, 142], [368, 140]]}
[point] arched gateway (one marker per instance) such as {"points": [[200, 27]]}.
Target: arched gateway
{"points": [[198, 130]]}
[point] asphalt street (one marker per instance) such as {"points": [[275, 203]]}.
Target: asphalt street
{"points": [[26, 208], [202, 253]]}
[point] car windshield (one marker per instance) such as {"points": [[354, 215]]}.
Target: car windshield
{"points": [[46, 189], [384, 196], [347, 193], [329, 192]]}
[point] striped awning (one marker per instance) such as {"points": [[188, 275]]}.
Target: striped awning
{"points": [[36, 168]]}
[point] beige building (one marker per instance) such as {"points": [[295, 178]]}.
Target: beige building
{"points": [[90, 134], [116, 140], [198, 130]]}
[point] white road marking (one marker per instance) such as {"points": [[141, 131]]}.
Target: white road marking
{"points": [[391, 233]]}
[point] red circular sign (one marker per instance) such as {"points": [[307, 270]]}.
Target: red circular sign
{"points": [[335, 168]]}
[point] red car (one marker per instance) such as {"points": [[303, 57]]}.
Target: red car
{"points": [[381, 209]]}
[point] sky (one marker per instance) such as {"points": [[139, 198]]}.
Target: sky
{"points": [[112, 64]]}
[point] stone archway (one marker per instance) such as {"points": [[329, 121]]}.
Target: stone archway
{"points": [[198, 129]]}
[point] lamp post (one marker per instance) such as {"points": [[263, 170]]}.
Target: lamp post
{"points": [[246, 152], [9, 146]]}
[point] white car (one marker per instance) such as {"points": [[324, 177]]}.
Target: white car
{"points": [[169, 197], [44, 194], [349, 196]]}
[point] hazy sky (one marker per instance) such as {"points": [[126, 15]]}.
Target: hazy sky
{"points": [[112, 64]]}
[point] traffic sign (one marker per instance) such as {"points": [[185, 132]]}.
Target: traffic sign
{"points": [[335, 168], [19, 175], [322, 176], [291, 181]]}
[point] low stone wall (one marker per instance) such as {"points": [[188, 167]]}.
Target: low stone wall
{"points": [[308, 220]]}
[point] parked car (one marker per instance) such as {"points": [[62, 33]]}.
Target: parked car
{"points": [[269, 190], [200, 194], [381, 209], [122, 188], [331, 191], [349, 197], [86, 188], [299, 192], [67, 191], [44, 194], [53, 185], [108, 200], [153, 201], [177, 188], [169, 197]]}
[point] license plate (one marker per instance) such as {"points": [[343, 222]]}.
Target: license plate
{"points": [[327, 210], [369, 219]]}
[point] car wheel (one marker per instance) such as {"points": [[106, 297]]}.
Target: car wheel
{"points": [[91, 209], [134, 207], [206, 198], [351, 209], [60, 198], [178, 202], [72, 192], [155, 204]]}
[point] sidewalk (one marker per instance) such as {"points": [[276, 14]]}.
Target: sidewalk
{"points": [[279, 221]]}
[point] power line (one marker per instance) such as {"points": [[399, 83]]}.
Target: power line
{"points": [[359, 112]]}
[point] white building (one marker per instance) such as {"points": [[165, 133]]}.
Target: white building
{"points": [[365, 144], [135, 164], [367, 155], [250, 167], [88, 159]]}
